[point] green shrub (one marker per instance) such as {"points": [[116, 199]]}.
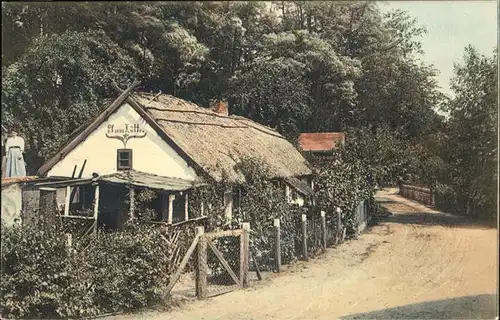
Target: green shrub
{"points": [[341, 183], [262, 201], [129, 268], [116, 271], [40, 279]]}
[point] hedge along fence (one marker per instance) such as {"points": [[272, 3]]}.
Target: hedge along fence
{"points": [[314, 232], [261, 202], [344, 184], [338, 184], [118, 271]]}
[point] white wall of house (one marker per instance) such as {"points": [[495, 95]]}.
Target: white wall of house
{"points": [[11, 203], [150, 154], [293, 196]]}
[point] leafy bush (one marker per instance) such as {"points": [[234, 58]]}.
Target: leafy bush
{"points": [[341, 183], [262, 201], [129, 268], [116, 271], [40, 278]]}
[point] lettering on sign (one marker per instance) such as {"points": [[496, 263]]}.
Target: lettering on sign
{"points": [[128, 131]]}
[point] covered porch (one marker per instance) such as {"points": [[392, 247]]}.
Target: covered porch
{"points": [[111, 200]]}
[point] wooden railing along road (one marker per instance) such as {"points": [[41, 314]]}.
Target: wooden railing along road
{"points": [[422, 195]]}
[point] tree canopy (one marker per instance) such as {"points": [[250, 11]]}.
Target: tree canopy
{"points": [[296, 66]]}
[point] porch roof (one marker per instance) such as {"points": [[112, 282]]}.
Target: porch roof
{"points": [[299, 186], [131, 177], [147, 180]]}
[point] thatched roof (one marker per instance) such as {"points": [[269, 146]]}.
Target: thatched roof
{"points": [[210, 142], [217, 142]]}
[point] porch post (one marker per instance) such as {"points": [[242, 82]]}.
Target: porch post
{"points": [[67, 201], [186, 206], [164, 206], [96, 206], [171, 199], [228, 204]]}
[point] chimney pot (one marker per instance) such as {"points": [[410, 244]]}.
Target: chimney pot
{"points": [[221, 107]]}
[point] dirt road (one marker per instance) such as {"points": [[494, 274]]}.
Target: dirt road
{"points": [[417, 263]]}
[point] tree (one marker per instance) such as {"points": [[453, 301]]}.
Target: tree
{"points": [[472, 133], [55, 88], [274, 93]]}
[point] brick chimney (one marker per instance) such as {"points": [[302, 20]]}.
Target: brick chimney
{"points": [[220, 107]]}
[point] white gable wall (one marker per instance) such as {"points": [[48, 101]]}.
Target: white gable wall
{"points": [[150, 154]]}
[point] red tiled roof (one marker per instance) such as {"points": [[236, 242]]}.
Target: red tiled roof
{"points": [[18, 179], [322, 141]]}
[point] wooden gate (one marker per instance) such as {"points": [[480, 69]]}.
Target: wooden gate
{"points": [[217, 269], [223, 259]]}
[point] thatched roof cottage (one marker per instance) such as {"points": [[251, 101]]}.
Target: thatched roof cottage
{"points": [[169, 144]]}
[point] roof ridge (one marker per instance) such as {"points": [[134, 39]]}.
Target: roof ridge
{"points": [[206, 112], [201, 123]]}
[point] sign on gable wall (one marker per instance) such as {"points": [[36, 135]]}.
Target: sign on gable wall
{"points": [[125, 132]]}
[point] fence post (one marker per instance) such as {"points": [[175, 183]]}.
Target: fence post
{"points": [[244, 254], [277, 245], [323, 230], [201, 265], [304, 237], [339, 226]]}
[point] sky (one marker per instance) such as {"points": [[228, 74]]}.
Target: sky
{"points": [[451, 26]]}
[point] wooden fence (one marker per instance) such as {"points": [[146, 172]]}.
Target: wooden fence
{"points": [[316, 234], [222, 259], [422, 195]]}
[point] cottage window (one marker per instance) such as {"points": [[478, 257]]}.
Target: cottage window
{"points": [[124, 159]]}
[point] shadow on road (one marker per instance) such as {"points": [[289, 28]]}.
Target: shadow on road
{"points": [[434, 219], [471, 307]]}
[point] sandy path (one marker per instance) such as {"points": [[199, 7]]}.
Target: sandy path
{"points": [[399, 268]]}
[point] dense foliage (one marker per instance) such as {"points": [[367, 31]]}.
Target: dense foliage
{"points": [[468, 145], [344, 182], [296, 66], [43, 279], [262, 201], [293, 65]]}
